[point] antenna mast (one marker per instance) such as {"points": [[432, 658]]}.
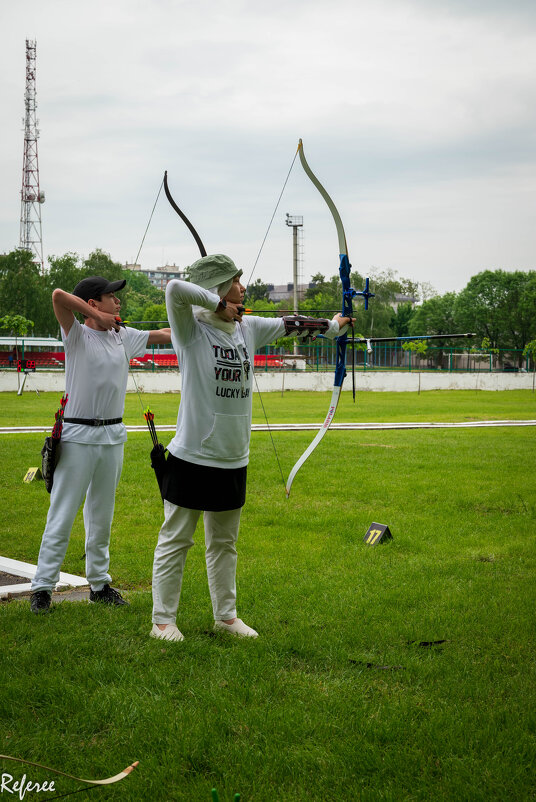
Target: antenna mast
{"points": [[31, 236]]}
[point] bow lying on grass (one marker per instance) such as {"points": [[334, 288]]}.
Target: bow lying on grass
{"points": [[107, 781]]}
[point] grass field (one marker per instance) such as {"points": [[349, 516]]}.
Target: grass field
{"points": [[342, 697], [30, 409]]}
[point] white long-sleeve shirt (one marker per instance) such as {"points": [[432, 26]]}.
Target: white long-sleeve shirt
{"points": [[214, 420]]}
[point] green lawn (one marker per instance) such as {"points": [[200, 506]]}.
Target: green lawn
{"points": [[303, 407], [337, 699]]}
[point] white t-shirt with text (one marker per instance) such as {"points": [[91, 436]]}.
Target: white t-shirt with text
{"points": [[214, 420]]}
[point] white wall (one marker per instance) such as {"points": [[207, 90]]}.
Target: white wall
{"points": [[170, 381]]}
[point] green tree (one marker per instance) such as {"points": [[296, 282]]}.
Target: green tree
{"points": [[401, 319], [139, 294], [155, 315], [379, 320], [64, 272], [435, 316], [419, 347], [262, 306], [100, 263], [529, 352], [501, 306], [325, 295], [520, 315], [258, 291], [17, 326], [23, 289]]}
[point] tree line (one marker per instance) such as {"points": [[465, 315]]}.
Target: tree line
{"points": [[26, 291], [498, 306]]}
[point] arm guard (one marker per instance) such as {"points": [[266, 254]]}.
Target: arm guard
{"points": [[305, 326]]}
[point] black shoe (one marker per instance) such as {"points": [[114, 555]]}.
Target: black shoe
{"points": [[40, 601], [107, 595]]}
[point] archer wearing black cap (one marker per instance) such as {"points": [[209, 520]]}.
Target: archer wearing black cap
{"points": [[96, 287], [97, 356]]}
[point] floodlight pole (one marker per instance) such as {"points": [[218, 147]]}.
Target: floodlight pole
{"points": [[296, 222]]}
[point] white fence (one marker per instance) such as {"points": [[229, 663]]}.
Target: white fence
{"points": [[169, 381]]}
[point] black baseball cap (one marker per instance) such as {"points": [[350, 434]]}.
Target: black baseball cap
{"points": [[95, 286]]}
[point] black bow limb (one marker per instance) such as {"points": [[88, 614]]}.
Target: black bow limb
{"points": [[183, 217]]}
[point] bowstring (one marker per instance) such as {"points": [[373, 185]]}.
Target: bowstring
{"points": [[271, 221], [247, 287], [131, 373], [269, 429], [136, 262], [149, 223]]}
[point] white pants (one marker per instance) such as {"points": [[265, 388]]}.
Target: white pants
{"points": [[92, 471], [174, 541]]}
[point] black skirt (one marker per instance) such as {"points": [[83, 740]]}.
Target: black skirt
{"points": [[200, 487]]}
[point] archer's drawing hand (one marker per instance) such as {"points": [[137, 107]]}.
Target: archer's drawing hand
{"points": [[230, 311], [107, 320]]}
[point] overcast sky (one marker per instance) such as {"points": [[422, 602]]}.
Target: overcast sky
{"points": [[418, 116]]}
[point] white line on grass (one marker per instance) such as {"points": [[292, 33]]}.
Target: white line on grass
{"points": [[303, 427]]}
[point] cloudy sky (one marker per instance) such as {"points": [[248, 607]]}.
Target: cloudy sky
{"points": [[419, 117]]}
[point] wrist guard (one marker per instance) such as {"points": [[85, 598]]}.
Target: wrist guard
{"points": [[305, 326]]}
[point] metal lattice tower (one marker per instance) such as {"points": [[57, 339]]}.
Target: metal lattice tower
{"points": [[31, 237]]}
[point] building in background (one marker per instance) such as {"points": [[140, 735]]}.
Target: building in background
{"points": [[283, 292], [400, 298], [159, 276]]}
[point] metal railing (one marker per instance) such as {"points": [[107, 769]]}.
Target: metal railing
{"points": [[320, 356]]}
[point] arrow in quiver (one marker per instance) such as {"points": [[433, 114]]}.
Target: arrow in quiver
{"points": [[50, 451], [158, 452]]}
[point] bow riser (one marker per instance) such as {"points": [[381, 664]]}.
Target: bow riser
{"points": [[347, 311]]}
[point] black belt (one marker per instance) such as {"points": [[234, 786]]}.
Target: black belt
{"points": [[93, 421]]}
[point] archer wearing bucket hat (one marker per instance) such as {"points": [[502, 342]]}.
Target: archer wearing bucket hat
{"points": [[97, 356], [206, 468], [215, 273]]}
